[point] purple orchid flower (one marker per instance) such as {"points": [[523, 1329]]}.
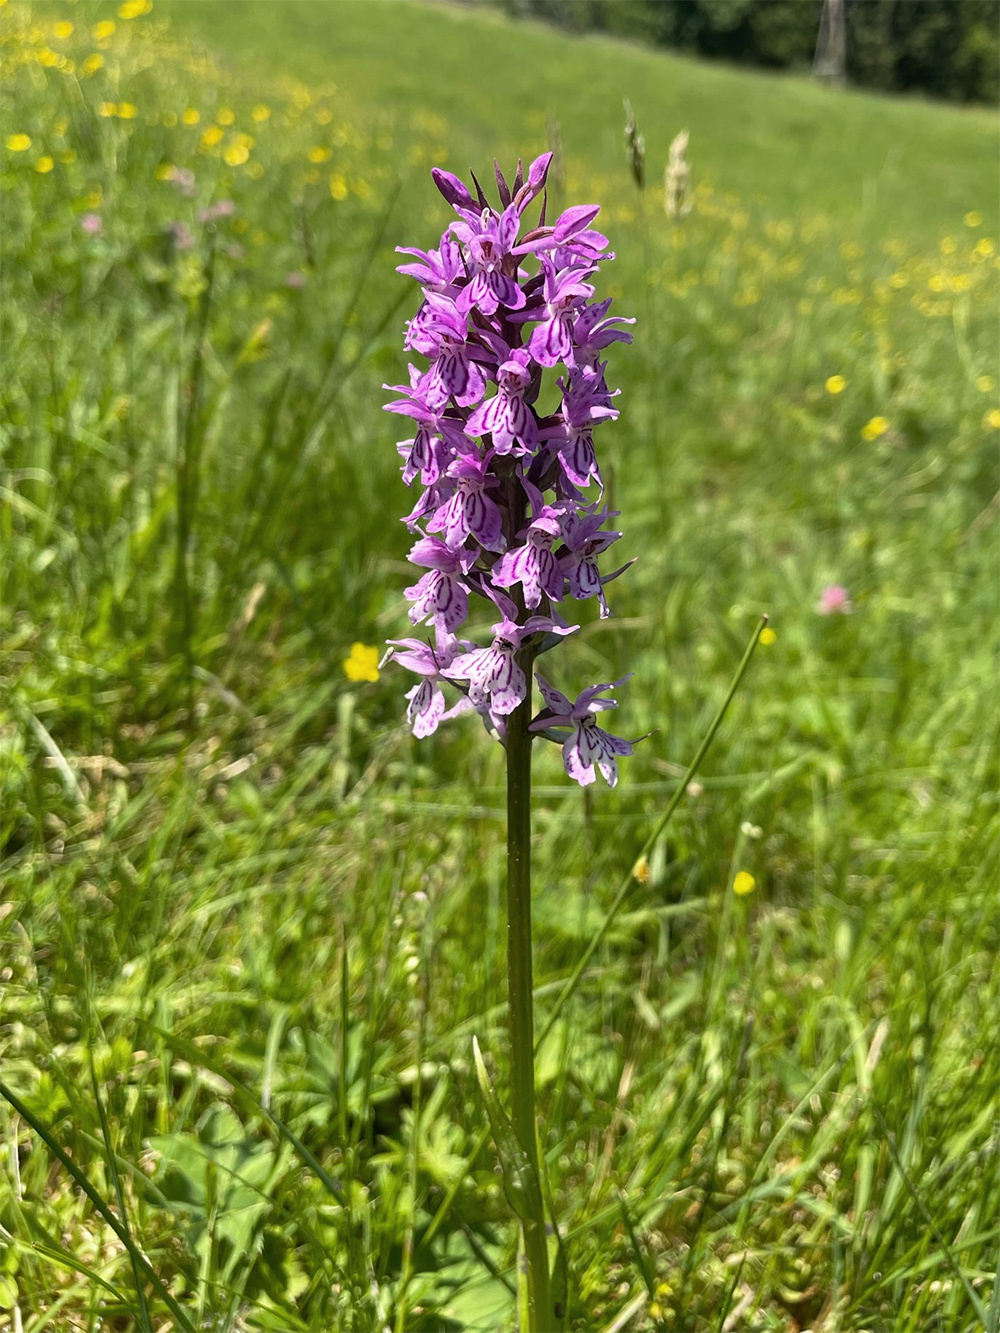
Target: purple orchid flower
{"points": [[487, 245], [440, 595], [584, 405], [438, 436], [470, 512], [584, 543], [507, 417], [565, 293], [510, 513], [496, 682], [533, 565], [592, 332], [440, 332], [427, 706], [439, 269], [587, 744]]}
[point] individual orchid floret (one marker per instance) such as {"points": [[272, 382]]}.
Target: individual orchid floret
{"points": [[584, 543], [584, 406], [496, 682], [592, 332], [587, 744], [439, 269], [533, 565], [507, 418], [552, 342], [441, 595], [487, 245], [470, 512], [426, 704], [439, 436], [440, 332]]}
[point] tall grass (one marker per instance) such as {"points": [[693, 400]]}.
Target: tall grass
{"points": [[249, 928]]}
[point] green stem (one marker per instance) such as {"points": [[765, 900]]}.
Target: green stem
{"points": [[650, 842], [519, 997]]}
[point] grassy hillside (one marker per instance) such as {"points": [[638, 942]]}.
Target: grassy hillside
{"points": [[250, 926]]}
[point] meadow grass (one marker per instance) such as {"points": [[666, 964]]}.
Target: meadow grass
{"points": [[250, 926]]}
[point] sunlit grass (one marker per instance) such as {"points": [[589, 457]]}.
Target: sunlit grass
{"points": [[271, 920]]}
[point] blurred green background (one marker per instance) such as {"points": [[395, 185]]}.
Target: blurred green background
{"points": [[249, 925]]}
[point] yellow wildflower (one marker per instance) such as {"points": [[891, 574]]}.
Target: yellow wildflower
{"points": [[133, 9], [236, 154], [106, 109], [836, 384], [973, 218], [875, 428], [948, 245], [191, 116], [126, 111], [744, 883], [103, 30], [984, 248], [992, 419], [18, 143], [92, 64], [960, 282], [226, 116], [212, 136], [44, 165], [62, 30], [260, 112], [767, 636], [338, 186], [936, 282], [986, 383], [362, 663], [47, 58], [319, 154], [641, 871]]}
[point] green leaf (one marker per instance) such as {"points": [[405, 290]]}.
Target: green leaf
{"points": [[520, 1181]]}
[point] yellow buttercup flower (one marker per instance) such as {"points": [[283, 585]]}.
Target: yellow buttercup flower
{"points": [[992, 419], [226, 116], [986, 383], [62, 30], [18, 143], [92, 64], [948, 245], [973, 218], [133, 9], [362, 663], [106, 109], [212, 136], [191, 116], [338, 186], [126, 111], [319, 154], [875, 428], [641, 871], [744, 883], [984, 248], [260, 112], [104, 29], [236, 154], [44, 165], [835, 384], [767, 636]]}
